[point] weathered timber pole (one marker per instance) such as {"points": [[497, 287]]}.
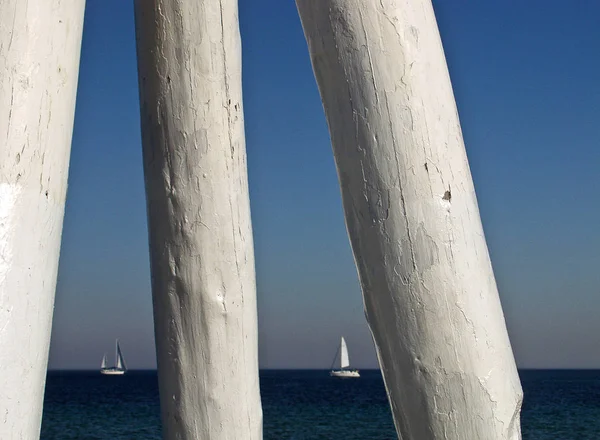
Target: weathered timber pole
{"points": [[40, 43], [201, 248], [412, 216]]}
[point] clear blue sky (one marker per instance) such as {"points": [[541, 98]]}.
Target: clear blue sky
{"points": [[525, 76]]}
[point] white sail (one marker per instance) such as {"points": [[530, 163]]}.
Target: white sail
{"points": [[120, 360], [344, 360], [103, 365]]}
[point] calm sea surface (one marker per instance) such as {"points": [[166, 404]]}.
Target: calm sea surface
{"points": [[303, 405]]}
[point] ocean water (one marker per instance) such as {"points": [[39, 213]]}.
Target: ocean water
{"points": [[304, 405]]}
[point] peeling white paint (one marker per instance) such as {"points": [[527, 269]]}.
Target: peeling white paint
{"points": [[40, 43], [412, 216], [201, 248], [9, 194]]}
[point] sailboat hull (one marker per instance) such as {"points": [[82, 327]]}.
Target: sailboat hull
{"points": [[111, 372], [345, 373]]}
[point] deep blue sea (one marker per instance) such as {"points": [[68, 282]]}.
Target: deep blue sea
{"points": [[304, 405]]}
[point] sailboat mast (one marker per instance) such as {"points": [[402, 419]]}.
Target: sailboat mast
{"points": [[116, 353], [120, 361], [335, 357]]}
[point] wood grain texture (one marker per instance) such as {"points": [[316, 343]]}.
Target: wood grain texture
{"points": [[201, 248], [413, 221], [40, 43]]}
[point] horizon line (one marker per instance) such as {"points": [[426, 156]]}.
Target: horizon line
{"points": [[327, 369]]}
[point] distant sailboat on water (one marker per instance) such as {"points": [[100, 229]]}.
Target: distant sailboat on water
{"points": [[119, 368], [343, 372]]}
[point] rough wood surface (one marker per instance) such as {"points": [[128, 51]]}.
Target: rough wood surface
{"points": [[40, 42], [201, 248], [412, 216]]}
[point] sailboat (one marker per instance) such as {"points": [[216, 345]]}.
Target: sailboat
{"points": [[344, 363], [119, 368]]}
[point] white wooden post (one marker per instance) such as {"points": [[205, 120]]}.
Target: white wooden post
{"points": [[40, 42], [412, 216], [201, 248]]}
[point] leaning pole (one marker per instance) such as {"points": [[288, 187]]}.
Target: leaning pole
{"points": [[40, 42], [429, 291], [200, 233]]}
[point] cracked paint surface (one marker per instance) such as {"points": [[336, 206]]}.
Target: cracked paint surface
{"points": [[40, 42], [413, 221], [201, 248]]}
